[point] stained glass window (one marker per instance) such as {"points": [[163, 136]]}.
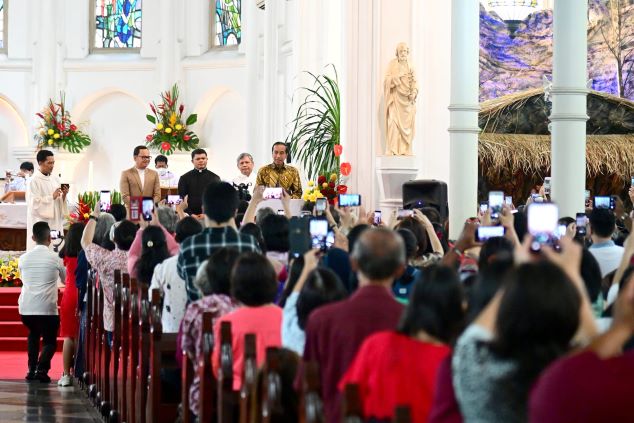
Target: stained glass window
{"points": [[227, 22], [3, 25], [117, 24]]}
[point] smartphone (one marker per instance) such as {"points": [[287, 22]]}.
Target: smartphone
{"points": [[547, 185], [147, 208], [318, 229], [485, 232], [484, 206], [632, 181], [542, 224], [582, 222], [135, 208], [320, 205], [65, 186], [561, 231], [496, 200], [377, 217], [272, 193], [54, 234], [173, 199], [604, 202], [587, 195], [349, 200], [305, 213], [298, 237], [104, 201], [508, 200], [281, 212], [403, 213]]}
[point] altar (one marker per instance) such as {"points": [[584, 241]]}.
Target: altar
{"points": [[13, 227]]}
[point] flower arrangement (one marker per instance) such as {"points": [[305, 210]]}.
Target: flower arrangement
{"points": [[57, 130], [9, 272], [327, 188], [86, 203], [170, 132]]}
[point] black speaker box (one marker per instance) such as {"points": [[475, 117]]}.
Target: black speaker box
{"points": [[426, 193]]}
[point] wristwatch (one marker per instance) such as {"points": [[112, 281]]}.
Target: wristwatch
{"points": [[92, 217]]}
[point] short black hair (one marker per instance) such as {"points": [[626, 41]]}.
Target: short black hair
{"points": [[419, 231], [496, 248], [41, 232], [42, 155], [219, 267], [28, 166], [124, 234], [138, 149], [253, 280], [187, 227], [279, 143], [322, 286], [255, 231], [118, 211], [409, 239], [602, 222], [160, 158], [220, 201], [275, 233], [198, 151]]}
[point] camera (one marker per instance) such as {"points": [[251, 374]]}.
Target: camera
{"points": [[243, 191]]}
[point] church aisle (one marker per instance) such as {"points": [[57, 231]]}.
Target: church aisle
{"points": [[37, 402]]}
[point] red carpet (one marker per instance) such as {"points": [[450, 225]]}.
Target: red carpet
{"points": [[13, 365]]}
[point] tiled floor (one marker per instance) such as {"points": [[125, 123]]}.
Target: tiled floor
{"points": [[36, 402]]}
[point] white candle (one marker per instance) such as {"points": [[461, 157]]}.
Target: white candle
{"points": [[90, 175]]}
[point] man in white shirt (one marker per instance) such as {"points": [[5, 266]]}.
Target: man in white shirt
{"points": [[39, 269], [246, 176], [608, 254], [45, 197], [168, 178]]}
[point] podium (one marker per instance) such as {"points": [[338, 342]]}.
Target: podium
{"points": [[171, 191], [295, 205]]}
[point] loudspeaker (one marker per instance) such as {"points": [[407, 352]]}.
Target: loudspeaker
{"points": [[426, 193]]}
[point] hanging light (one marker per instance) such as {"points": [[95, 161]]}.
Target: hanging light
{"points": [[514, 12]]}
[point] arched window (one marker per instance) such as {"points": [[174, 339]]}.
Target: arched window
{"points": [[226, 23], [116, 25], [4, 19]]}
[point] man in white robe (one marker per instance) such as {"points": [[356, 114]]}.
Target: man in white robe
{"points": [[45, 198]]}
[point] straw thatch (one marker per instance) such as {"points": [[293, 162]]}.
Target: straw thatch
{"points": [[514, 147]]}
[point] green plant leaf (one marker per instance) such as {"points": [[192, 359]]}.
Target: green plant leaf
{"points": [[150, 118], [191, 119]]}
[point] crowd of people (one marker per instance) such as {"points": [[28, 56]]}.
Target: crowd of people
{"points": [[468, 330]]}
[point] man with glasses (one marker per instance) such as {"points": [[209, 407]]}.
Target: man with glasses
{"points": [[139, 181]]}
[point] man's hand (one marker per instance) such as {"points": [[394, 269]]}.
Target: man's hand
{"points": [[64, 190], [341, 241], [311, 260], [467, 238], [258, 194], [97, 211], [506, 217], [57, 193], [569, 259], [422, 218]]}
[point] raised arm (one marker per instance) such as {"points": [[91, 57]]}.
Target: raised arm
{"points": [[249, 214], [89, 229]]}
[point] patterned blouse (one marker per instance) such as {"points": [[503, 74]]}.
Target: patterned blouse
{"points": [[191, 329], [106, 262], [285, 176]]}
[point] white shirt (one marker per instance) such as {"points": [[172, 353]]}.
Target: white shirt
{"points": [[165, 278], [39, 269], [241, 179], [42, 207], [608, 255], [141, 176]]}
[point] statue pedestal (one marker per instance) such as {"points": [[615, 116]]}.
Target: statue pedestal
{"points": [[393, 172]]}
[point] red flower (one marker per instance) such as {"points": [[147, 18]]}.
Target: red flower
{"points": [[342, 189], [153, 109], [73, 128], [331, 184], [345, 168], [186, 137], [165, 146], [338, 150], [181, 108], [321, 180], [149, 138]]}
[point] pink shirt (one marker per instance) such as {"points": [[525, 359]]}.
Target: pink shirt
{"points": [[265, 322]]}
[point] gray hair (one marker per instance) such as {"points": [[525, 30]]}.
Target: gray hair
{"points": [[262, 213], [102, 229], [379, 253], [167, 217], [242, 156], [201, 281]]}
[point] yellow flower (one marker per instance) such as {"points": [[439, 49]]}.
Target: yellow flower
{"points": [[50, 132], [178, 127], [318, 194], [86, 215], [173, 118], [312, 198], [305, 196], [324, 185], [168, 130], [333, 177], [50, 142], [56, 136], [159, 126], [311, 183]]}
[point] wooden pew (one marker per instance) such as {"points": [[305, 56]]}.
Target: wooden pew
{"points": [[226, 394], [208, 406], [248, 408], [122, 375], [143, 353], [271, 389], [113, 368], [133, 356], [90, 335], [106, 396], [160, 408], [100, 351], [311, 408], [187, 378], [96, 329], [402, 414], [352, 409]]}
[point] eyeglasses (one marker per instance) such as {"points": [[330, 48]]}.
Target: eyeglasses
{"points": [[145, 157]]}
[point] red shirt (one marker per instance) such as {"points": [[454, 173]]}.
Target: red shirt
{"points": [[393, 369], [585, 388], [336, 331]]}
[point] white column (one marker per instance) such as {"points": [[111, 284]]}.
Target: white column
{"points": [[463, 107], [569, 114]]}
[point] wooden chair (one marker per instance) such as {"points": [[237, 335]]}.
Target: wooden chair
{"points": [[311, 409], [133, 347], [143, 353], [160, 408], [352, 409], [402, 414], [226, 394], [271, 389], [113, 369], [208, 406], [124, 349], [248, 408]]}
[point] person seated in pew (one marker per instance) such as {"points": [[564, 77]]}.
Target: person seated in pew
{"points": [[254, 284], [153, 252], [215, 284], [166, 279], [288, 364]]}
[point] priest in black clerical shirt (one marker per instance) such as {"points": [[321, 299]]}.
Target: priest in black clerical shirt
{"points": [[193, 183]]}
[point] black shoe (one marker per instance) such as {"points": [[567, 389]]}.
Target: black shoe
{"points": [[30, 376], [42, 377]]}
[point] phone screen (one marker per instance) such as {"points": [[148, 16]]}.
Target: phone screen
{"points": [[104, 201], [147, 208], [603, 202], [484, 207], [377, 217], [349, 200], [320, 204], [319, 233], [496, 200], [272, 193], [54, 234], [632, 181], [403, 213], [486, 232], [305, 213], [173, 200], [582, 222], [587, 194], [547, 185], [561, 231], [508, 200], [542, 223]]}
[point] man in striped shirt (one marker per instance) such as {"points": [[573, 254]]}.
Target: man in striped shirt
{"points": [[220, 204]]}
